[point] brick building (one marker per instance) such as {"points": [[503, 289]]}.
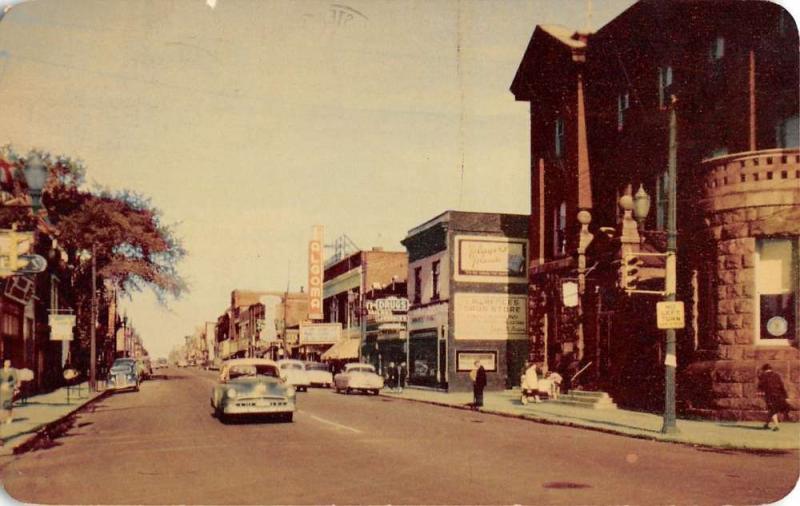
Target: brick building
{"points": [[600, 109]]}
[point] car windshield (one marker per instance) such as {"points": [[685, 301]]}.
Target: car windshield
{"points": [[363, 368], [291, 366], [316, 367], [237, 371], [122, 364]]}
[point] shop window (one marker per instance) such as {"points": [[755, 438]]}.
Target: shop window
{"points": [[417, 285], [787, 133], [664, 86], [560, 230], [435, 271], [559, 137], [776, 290], [623, 104]]}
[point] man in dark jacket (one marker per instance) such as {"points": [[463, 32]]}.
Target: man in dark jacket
{"points": [[478, 375], [771, 384]]}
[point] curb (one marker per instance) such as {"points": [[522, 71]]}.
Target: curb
{"points": [[535, 419], [49, 429]]}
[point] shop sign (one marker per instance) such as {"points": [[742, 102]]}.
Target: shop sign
{"points": [[491, 259], [387, 305], [490, 316], [465, 360], [61, 327], [569, 293], [669, 315], [315, 273], [292, 336], [426, 317], [320, 333]]}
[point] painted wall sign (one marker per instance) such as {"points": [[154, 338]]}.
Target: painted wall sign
{"points": [[315, 273], [490, 316], [491, 259]]}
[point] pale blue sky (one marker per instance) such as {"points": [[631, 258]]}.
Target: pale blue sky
{"points": [[250, 122]]}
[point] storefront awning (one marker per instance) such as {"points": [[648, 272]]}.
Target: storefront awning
{"points": [[344, 349]]}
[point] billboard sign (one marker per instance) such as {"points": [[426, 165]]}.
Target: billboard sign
{"points": [[315, 273], [320, 333]]}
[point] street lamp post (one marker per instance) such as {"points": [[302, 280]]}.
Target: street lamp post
{"points": [[35, 177], [670, 359]]}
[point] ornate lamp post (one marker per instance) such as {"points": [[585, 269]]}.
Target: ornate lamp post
{"points": [[641, 206], [35, 176]]}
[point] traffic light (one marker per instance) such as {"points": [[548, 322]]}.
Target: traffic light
{"points": [[630, 271], [14, 249]]}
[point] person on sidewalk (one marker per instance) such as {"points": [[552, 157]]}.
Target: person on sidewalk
{"points": [[391, 379], [9, 382], [771, 384], [401, 376], [478, 376], [530, 382]]}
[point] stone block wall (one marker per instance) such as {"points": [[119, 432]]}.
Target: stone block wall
{"points": [[725, 387]]}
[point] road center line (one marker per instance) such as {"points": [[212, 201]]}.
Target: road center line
{"points": [[322, 420]]}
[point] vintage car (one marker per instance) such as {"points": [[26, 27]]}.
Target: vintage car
{"points": [[319, 375], [294, 373], [252, 386], [358, 376], [124, 375]]}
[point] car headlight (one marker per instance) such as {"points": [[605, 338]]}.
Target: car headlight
{"points": [[290, 391], [231, 393]]}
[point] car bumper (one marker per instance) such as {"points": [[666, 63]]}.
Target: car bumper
{"points": [[250, 407]]}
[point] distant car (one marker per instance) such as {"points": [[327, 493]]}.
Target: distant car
{"points": [[162, 363], [294, 373], [215, 364], [252, 386], [358, 376], [319, 375], [182, 363], [124, 375]]}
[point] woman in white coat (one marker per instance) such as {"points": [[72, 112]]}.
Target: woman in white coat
{"points": [[530, 383]]}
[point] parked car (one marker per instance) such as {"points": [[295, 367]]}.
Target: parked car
{"points": [[124, 375], [182, 363], [252, 386], [319, 375], [358, 376], [294, 373], [162, 363]]}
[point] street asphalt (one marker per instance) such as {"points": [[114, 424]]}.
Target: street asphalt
{"points": [[162, 446]]}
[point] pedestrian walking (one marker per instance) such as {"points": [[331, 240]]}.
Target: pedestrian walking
{"points": [[401, 376], [771, 384], [530, 383], [9, 381], [478, 376], [391, 374]]}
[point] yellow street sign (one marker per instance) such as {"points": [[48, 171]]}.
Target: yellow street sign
{"points": [[670, 315]]}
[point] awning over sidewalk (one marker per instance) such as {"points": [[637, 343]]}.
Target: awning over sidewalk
{"points": [[344, 349]]}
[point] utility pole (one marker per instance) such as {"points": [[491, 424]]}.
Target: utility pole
{"points": [[93, 330], [670, 359]]}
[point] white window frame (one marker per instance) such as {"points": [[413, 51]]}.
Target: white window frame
{"points": [[767, 342]]}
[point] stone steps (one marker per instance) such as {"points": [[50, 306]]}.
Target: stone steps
{"points": [[584, 399]]}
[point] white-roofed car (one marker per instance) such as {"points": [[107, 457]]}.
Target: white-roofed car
{"points": [[252, 386], [358, 376], [294, 373], [319, 375]]}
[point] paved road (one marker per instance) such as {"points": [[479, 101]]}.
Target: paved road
{"points": [[162, 446]]}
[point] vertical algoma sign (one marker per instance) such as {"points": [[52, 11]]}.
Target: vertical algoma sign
{"points": [[315, 274]]}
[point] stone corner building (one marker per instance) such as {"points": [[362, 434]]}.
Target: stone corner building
{"points": [[600, 108]]}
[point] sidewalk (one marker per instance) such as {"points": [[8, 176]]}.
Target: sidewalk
{"points": [[734, 435], [39, 411]]}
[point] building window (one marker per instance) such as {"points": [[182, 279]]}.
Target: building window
{"points": [[417, 285], [559, 137], [664, 86], [435, 268], [717, 50], [776, 290], [787, 133], [623, 103], [560, 230]]}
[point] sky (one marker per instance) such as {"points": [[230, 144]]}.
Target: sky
{"points": [[249, 121]]}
